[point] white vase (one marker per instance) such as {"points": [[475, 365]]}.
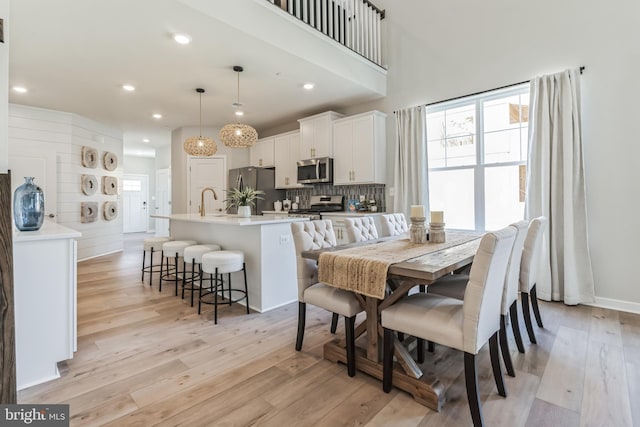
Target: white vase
{"points": [[244, 211]]}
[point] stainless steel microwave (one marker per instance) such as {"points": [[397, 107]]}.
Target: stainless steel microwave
{"points": [[315, 171]]}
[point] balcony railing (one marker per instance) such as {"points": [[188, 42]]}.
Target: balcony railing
{"points": [[352, 23]]}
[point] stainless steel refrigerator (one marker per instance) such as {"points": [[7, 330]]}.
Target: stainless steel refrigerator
{"points": [[259, 179]]}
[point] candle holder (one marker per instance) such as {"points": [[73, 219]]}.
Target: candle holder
{"points": [[436, 232], [417, 231]]}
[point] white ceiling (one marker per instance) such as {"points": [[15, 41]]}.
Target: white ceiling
{"points": [[75, 55]]}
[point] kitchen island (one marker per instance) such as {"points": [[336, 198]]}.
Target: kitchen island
{"points": [[268, 251]]}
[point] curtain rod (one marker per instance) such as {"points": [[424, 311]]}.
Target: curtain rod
{"points": [[582, 68]]}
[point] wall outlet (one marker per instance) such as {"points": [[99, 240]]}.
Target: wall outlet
{"points": [[285, 239]]}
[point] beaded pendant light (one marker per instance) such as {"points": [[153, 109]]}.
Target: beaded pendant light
{"points": [[238, 135], [200, 145]]}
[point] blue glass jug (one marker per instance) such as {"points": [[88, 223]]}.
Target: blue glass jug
{"points": [[28, 206]]}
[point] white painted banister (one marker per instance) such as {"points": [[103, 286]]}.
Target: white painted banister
{"points": [[352, 23]]}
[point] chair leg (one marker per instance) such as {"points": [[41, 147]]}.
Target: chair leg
{"points": [[228, 278], [200, 291], [430, 346], [534, 304], [246, 288], [150, 271], [387, 361], [144, 255], [495, 365], [504, 347], [527, 317], [515, 326], [400, 336], [176, 275], [423, 288], [215, 296], [161, 270], [349, 332], [334, 323], [420, 350], [473, 395], [302, 309]]}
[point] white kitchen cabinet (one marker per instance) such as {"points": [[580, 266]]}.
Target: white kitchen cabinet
{"points": [[316, 136], [262, 154], [286, 149], [359, 149]]}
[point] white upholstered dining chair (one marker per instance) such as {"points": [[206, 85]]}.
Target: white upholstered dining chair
{"points": [[394, 224], [454, 286], [463, 325], [529, 273], [310, 235], [360, 229]]}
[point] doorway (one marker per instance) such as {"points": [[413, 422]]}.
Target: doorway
{"points": [[207, 172], [135, 191]]}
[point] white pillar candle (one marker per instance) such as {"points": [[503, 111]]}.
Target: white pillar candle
{"points": [[437, 216], [417, 211]]}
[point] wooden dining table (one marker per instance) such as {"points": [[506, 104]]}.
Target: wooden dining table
{"points": [[434, 260]]}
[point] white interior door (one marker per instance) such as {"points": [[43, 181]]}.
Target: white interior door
{"points": [[135, 192], [40, 164], [163, 201], [207, 172]]}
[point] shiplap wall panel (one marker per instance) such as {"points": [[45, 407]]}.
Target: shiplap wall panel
{"points": [[67, 133]]}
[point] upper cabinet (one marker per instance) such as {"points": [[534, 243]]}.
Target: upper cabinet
{"points": [[287, 147], [316, 137], [262, 154], [359, 150]]}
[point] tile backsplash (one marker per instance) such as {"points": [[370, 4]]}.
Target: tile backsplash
{"points": [[370, 191]]}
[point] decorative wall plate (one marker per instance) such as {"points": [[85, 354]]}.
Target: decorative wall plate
{"points": [[89, 184], [88, 211], [109, 185], [89, 157], [110, 210], [110, 161]]}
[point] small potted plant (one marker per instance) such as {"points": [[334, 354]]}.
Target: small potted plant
{"points": [[243, 200]]}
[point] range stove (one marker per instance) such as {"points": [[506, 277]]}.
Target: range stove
{"points": [[318, 206]]}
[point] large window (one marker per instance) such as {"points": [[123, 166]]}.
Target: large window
{"points": [[477, 148]]}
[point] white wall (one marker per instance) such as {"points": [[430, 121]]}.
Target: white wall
{"points": [[66, 134], [441, 50], [236, 158], [4, 88], [163, 157], [144, 166]]}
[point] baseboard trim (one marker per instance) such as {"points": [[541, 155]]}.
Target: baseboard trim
{"points": [[99, 255], [615, 304]]}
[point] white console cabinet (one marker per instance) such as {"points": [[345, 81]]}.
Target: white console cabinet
{"points": [[44, 266]]}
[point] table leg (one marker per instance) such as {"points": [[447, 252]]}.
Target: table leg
{"points": [[372, 329]]}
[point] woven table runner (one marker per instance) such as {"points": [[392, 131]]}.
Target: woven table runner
{"points": [[363, 269]]}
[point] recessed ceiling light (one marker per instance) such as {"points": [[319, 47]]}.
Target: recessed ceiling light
{"points": [[129, 88], [239, 113], [146, 140], [157, 116], [20, 89], [182, 38], [308, 86]]}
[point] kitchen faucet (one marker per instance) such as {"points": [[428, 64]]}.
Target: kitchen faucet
{"points": [[215, 197]]}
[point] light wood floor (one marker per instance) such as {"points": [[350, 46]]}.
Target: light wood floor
{"points": [[146, 358]]}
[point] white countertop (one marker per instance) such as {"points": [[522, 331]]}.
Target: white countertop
{"points": [[351, 214], [225, 219], [48, 231]]}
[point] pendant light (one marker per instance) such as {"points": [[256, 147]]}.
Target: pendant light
{"points": [[238, 135], [200, 145]]}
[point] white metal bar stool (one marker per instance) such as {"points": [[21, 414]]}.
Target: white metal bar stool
{"points": [[173, 249], [193, 255], [152, 245], [218, 263]]}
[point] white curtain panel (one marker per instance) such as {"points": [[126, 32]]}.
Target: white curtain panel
{"points": [[411, 165], [556, 188]]}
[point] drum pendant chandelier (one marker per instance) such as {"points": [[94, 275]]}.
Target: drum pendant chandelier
{"points": [[238, 135], [200, 145]]}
